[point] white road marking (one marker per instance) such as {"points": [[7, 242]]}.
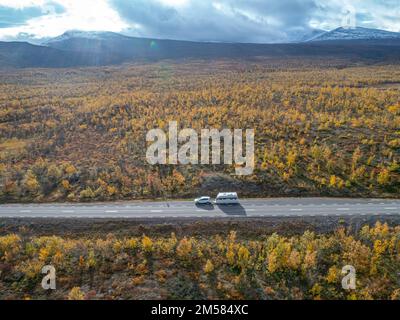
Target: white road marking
{"points": [[296, 209], [25, 211], [342, 209], [391, 208], [68, 211], [112, 211], [154, 211]]}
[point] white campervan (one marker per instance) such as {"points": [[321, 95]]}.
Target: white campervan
{"points": [[227, 198]]}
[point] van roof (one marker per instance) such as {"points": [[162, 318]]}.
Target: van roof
{"points": [[227, 194]]}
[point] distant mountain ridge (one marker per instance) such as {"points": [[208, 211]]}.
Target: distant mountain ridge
{"points": [[341, 33], [26, 55], [80, 48], [357, 33], [94, 35]]}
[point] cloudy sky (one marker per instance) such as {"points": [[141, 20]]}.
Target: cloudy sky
{"points": [[201, 20]]}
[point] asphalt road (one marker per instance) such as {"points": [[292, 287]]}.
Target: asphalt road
{"points": [[278, 207]]}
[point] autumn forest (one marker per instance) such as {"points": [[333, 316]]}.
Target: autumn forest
{"points": [[321, 129]]}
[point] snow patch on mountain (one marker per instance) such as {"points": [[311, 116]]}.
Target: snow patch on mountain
{"points": [[91, 35], [357, 33]]}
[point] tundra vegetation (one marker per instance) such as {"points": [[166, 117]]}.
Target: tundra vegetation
{"points": [[225, 266], [321, 129]]}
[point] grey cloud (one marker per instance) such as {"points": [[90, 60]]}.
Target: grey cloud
{"points": [[11, 17], [235, 21], [252, 20]]}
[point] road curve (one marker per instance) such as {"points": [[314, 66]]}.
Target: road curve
{"points": [[278, 207]]}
